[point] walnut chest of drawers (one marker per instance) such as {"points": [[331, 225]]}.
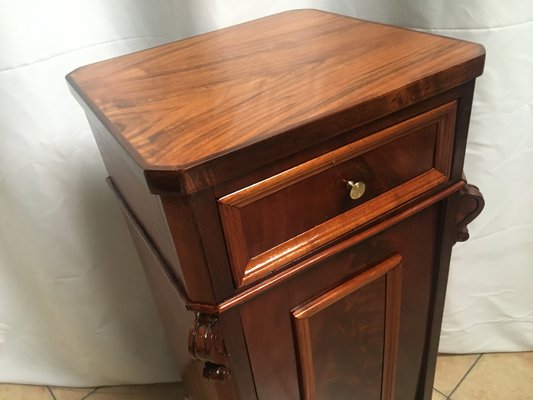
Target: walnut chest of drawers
{"points": [[294, 187]]}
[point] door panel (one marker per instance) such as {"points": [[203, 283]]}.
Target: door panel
{"points": [[343, 335], [276, 349]]}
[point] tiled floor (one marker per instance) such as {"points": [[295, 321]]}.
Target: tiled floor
{"points": [[164, 391], [506, 376]]}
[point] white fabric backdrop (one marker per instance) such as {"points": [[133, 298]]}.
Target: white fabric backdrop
{"points": [[74, 305], [75, 308]]}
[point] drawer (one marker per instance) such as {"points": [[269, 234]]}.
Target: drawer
{"points": [[283, 217]]}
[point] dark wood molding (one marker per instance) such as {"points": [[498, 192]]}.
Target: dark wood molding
{"points": [[313, 307], [247, 262], [471, 203], [392, 330], [189, 304], [250, 293], [322, 234], [445, 138], [304, 265], [443, 116]]}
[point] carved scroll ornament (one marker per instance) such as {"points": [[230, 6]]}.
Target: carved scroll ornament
{"points": [[206, 345], [471, 204]]}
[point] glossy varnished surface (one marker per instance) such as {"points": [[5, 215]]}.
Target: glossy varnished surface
{"points": [[246, 136], [354, 328], [187, 111], [273, 342], [340, 225], [311, 193]]}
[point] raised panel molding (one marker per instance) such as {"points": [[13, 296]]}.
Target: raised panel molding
{"points": [[248, 265], [382, 284], [234, 154]]}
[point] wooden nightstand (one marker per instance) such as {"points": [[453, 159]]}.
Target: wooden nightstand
{"points": [[294, 188]]}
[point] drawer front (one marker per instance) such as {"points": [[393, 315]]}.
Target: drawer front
{"points": [[279, 219]]}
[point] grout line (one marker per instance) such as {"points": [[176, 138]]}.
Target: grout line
{"points": [[439, 392], [465, 375], [91, 392], [51, 393]]}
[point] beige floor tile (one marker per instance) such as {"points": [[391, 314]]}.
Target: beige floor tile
{"points": [[506, 376], [437, 396], [451, 369], [63, 393], [163, 391], [24, 392]]}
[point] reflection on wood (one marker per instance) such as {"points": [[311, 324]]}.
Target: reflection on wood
{"points": [[347, 338], [313, 192]]}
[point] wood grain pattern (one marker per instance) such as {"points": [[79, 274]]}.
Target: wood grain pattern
{"points": [[322, 234], [443, 116], [315, 306], [445, 139], [271, 118], [275, 371], [195, 112], [393, 306], [313, 192], [129, 186], [299, 267], [388, 301], [156, 260], [438, 288]]}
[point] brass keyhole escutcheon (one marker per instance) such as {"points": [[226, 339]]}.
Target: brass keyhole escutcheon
{"points": [[357, 189]]}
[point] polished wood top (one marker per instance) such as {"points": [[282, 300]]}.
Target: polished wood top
{"points": [[200, 111]]}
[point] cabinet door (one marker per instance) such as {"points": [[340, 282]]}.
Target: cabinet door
{"points": [[347, 338], [353, 319]]}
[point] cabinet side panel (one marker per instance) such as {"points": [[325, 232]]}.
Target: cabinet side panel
{"points": [[177, 322], [148, 210], [129, 180], [440, 280], [176, 319]]}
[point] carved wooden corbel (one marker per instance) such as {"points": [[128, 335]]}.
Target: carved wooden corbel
{"points": [[206, 345], [471, 204]]}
